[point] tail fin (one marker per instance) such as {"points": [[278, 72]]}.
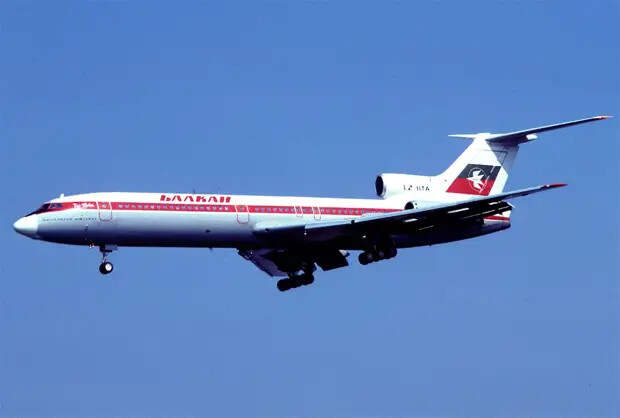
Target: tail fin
{"points": [[484, 166]]}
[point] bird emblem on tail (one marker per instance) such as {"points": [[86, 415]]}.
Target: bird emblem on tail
{"points": [[477, 179]]}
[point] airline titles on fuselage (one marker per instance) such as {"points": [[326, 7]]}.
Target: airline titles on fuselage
{"points": [[194, 198]]}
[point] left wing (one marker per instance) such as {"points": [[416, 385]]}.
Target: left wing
{"points": [[322, 231]]}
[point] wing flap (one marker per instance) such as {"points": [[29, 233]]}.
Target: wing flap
{"points": [[260, 260], [282, 262]]}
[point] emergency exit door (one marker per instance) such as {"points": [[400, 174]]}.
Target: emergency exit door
{"points": [[105, 211], [243, 214]]}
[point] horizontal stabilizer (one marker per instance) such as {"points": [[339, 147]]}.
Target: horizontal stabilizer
{"points": [[526, 135]]}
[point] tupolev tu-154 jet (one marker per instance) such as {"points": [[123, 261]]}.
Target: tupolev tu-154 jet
{"points": [[289, 236]]}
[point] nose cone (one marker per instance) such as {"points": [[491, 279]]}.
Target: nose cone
{"points": [[27, 226]]}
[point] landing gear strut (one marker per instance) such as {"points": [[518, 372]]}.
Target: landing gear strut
{"points": [[106, 267]]}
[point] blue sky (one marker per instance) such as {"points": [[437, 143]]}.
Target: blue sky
{"points": [[310, 98]]}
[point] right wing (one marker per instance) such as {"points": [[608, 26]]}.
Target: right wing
{"points": [[291, 247], [394, 222]]}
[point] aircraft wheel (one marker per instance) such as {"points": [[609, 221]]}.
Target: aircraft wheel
{"points": [[307, 279], [391, 252], [106, 267], [365, 258], [284, 285]]}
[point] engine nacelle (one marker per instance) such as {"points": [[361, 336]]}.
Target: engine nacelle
{"points": [[391, 184]]}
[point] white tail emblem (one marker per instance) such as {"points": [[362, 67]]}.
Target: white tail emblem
{"points": [[477, 179]]}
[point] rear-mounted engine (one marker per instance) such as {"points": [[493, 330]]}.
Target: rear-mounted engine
{"points": [[390, 184]]}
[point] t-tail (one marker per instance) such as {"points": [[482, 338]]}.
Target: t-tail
{"points": [[483, 168]]}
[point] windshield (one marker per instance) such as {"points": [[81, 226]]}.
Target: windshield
{"points": [[47, 207]]}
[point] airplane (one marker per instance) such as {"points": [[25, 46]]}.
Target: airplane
{"points": [[288, 236]]}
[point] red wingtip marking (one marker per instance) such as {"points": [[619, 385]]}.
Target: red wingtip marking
{"points": [[553, 185], [604, 117]]}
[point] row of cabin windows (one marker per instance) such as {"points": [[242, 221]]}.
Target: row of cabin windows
{"points": [[267, 209], [174, 207]]}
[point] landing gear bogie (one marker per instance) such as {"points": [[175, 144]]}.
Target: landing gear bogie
{"points": [[368, 257], [295, 281]]}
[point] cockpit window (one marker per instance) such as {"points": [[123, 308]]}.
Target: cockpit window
{"points": [[40, 210], [47, 207]]}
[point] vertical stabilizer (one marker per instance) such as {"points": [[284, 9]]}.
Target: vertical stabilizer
{"points": [[483, 168]]}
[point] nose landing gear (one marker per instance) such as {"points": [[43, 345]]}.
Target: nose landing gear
{"points": [[106, 267]]}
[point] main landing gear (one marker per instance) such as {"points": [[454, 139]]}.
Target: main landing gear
{"points": [[106, 267], [302, 277], [295, 281], [377, 254]]}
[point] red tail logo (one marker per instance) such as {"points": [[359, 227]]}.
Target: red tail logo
{"points": [[475, 179]]}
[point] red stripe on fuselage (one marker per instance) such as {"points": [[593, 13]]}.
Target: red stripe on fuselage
{"points": [[179, 207], [262, 209]]}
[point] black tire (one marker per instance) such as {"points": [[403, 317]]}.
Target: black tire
{"points": [[307, 279], [365, 258], [391, 253], [106, 267], [284, 285]]}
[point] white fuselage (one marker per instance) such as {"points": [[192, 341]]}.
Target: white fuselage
{"points": [[193, 220]]}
